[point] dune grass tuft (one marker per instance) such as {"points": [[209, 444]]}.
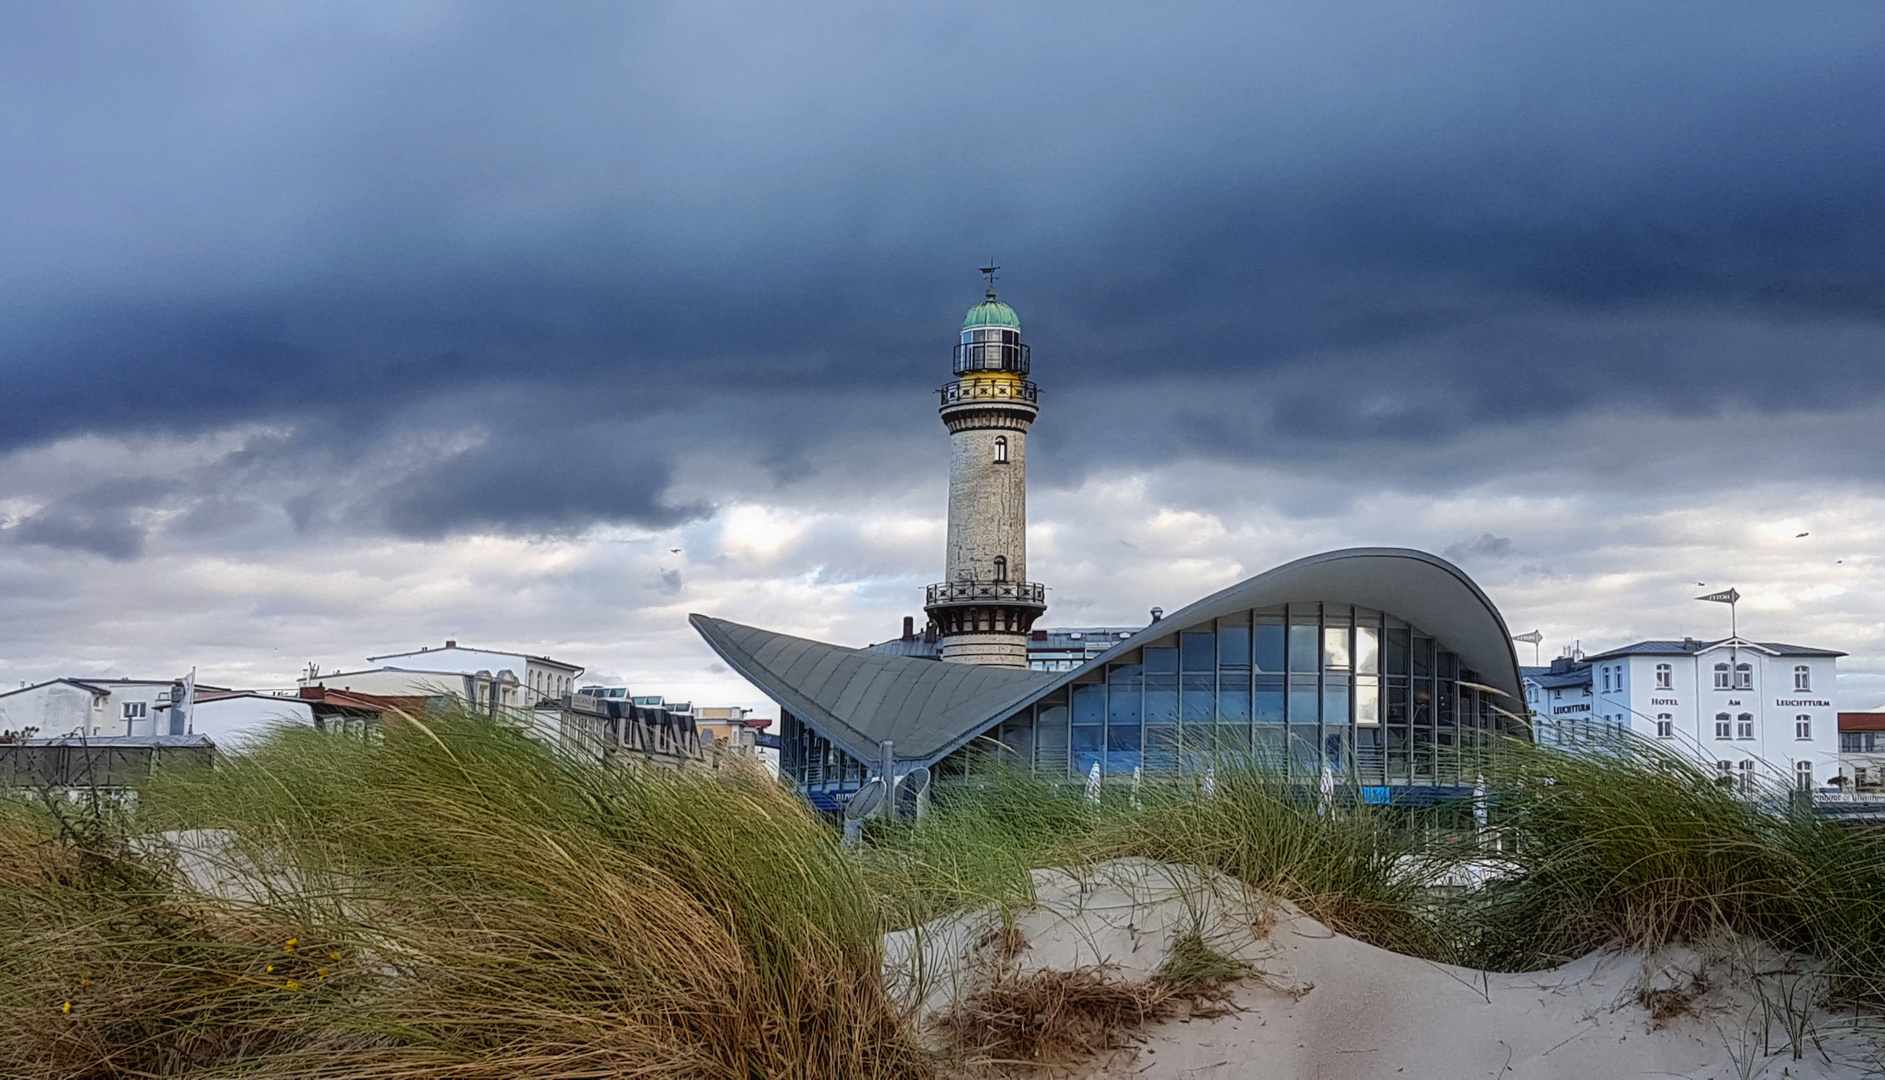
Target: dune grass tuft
{"points": [[452, 900]]}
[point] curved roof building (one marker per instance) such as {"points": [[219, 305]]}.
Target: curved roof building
{"points": [[1376, 665]]}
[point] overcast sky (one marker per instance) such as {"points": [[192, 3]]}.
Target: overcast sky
{"points": [[333, 330]]}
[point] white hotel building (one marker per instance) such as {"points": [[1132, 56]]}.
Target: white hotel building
{"points": [[1757, 711]]}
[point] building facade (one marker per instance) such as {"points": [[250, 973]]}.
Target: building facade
{"points": [[1379, 668], [488, 677], [1757, 712], [985, 605], [133, 708], [1862, 750]]}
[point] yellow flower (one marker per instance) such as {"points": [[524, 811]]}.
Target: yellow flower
{"points": [[270, 970], [66, 1008], [85, 982], [292, 984], [322, 972], [290, 947], [333, 956]]}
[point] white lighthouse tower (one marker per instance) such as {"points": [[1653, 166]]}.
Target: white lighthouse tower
{"points": [[986, 606]]}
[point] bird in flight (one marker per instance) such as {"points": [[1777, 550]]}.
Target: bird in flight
{"points": [[1797, 536], [674, 551]]}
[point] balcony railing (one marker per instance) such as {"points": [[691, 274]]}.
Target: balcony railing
{"points": [[986, 592], [971, 392]]}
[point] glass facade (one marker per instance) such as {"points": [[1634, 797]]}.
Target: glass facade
{"points": [[1298, 688]]}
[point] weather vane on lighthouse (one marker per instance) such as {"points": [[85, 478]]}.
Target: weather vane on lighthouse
{"points": [[990, 271]]}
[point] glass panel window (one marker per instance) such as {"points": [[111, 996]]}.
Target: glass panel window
{"points": [[1198, 650], [1161, 660], [1747, 774], [1266, 748], [1302, 700], [1721, 676], [1200, 699], [1335, 648], [1802, 678], [1269, 648], [1744, 676], [1724, 726], [1161, 746], [1394, 650], [1744, 726], [1665, 726], [1120, 740], [1089, 704], [1233, 645], [1267, 702], [1367, 650], [1304, 649], [1803, 775], [1335, 702], [1233, 703], [1122, 697], [1803, 727], [1367, 700], [1665, 677], [1423, 655]]}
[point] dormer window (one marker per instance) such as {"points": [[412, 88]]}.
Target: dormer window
{"points": [[1001, 449]]}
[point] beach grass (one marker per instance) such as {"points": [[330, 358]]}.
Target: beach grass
{"points": [[449, 898]]}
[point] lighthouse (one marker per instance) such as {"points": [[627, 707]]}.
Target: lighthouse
{"points": [[985, 606]]}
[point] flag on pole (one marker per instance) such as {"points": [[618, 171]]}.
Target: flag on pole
{"points": [[1726, 596], [1093, 784]]}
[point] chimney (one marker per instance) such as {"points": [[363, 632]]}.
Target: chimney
{"points": [[450, 644], [1158, 613], [909, 628]]}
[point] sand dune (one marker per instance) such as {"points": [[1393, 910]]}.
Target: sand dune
{"points": [[1328, 1007]]}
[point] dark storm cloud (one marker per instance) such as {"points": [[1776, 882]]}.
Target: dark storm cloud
{"points": [[539, 481], [100, 520], [342, 217]]}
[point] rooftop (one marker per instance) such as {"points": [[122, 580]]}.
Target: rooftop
{"points": [[991, 312], [1691, 646]]}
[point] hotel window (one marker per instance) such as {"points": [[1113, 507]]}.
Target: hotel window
{"points": [[1747, 774], [1803, 775], [1001, 449], [1803, 726], [1744, 726], [1723, 726], [1802, 678], [1665, 677], [1721, 676], [1744, 676], [1665, 726]]}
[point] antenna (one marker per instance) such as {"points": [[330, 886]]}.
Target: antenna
{"points": [[990, 271]]}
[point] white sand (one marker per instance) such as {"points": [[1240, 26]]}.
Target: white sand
{"points": [[1328, 1007]]}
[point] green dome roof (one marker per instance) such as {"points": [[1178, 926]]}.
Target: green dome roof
{"points": [[991, 312]]}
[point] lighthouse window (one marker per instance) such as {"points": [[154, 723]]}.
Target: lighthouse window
{"points": [[1001, 449], [1001, 568]]}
